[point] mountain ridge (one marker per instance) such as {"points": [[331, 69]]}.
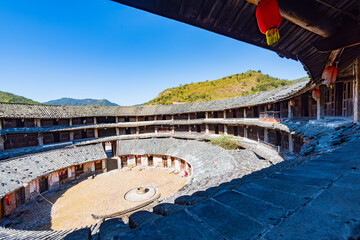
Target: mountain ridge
{"points": [[80, 102], [240, 84]]}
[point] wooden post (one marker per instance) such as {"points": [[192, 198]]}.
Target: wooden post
{"points": [[117, 131], [225, 130], [291, 143], [71, 136], [318, 109], [95, 121], [207, 128], [40, 139], [137, 130], [118, 162], [289, 110], [356, 92], [266, 135], [116, 119], [245, 132], [322, 89], [2, 141], [1, 124], [224, 114], [70, 122], [96, 133], [206, 115], [245, 114]]}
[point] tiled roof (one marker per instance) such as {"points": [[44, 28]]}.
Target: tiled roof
{"points": [[8, 110]]}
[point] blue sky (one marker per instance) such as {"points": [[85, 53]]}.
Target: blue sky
{"points": [[102, 49]]}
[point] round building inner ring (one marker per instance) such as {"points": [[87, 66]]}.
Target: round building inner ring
{"points": [[85, 199]]}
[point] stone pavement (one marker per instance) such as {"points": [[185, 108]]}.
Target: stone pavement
{"points": [[318, 199]]}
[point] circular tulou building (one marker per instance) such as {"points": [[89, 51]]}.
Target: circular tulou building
{"points": [[295, 174]]}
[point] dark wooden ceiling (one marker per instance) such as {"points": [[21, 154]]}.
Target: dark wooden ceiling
{"points": [[236, 19]]}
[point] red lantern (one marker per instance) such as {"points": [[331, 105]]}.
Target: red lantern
{"points": [[292, 102], [269, 19], [269, 106], [329, 75], [316, 94]]}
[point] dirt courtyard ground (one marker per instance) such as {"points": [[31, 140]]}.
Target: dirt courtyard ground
{"points": [[104, 195]]}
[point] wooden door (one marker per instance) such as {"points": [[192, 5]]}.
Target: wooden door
{"points": [[123, 161], [150, 161], [20, 196], [98, 166], [43, 184]]}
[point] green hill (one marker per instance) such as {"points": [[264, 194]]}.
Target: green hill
{"points": [[231, 86], [81, 102], [12, 98]]}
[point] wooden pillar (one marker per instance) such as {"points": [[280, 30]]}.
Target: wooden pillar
{"points": [[225, 130], [245, 132], [291, 143], [245, 113], [357, 92], [118, 162], [206, 115], [2, 141], [289, 110], [70, 122], [224, 113], [322, 89], [71, 136], [137, 130], [40, 139], [117, 131], [207, 128], [156, 130], [96, 133], [95, 121], [266, 135], [173, 129], [116, 119], [136, 119], [1, 123]]}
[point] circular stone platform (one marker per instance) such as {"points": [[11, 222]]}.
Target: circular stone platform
{"points": [[139, 194]]}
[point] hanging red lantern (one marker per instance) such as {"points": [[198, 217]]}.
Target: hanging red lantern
{"points": [[269, 19], [269, 106], [329, 75], [292, 102], [316, 94]]}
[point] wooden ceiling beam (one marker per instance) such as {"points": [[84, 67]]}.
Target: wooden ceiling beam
{"points": [[348, 36]]}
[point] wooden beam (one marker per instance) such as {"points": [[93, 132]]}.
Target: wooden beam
{"points": [[347, 36], [305, 15], [333, 55]]}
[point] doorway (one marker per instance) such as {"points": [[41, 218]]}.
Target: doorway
{"points": [[43, 184]]}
